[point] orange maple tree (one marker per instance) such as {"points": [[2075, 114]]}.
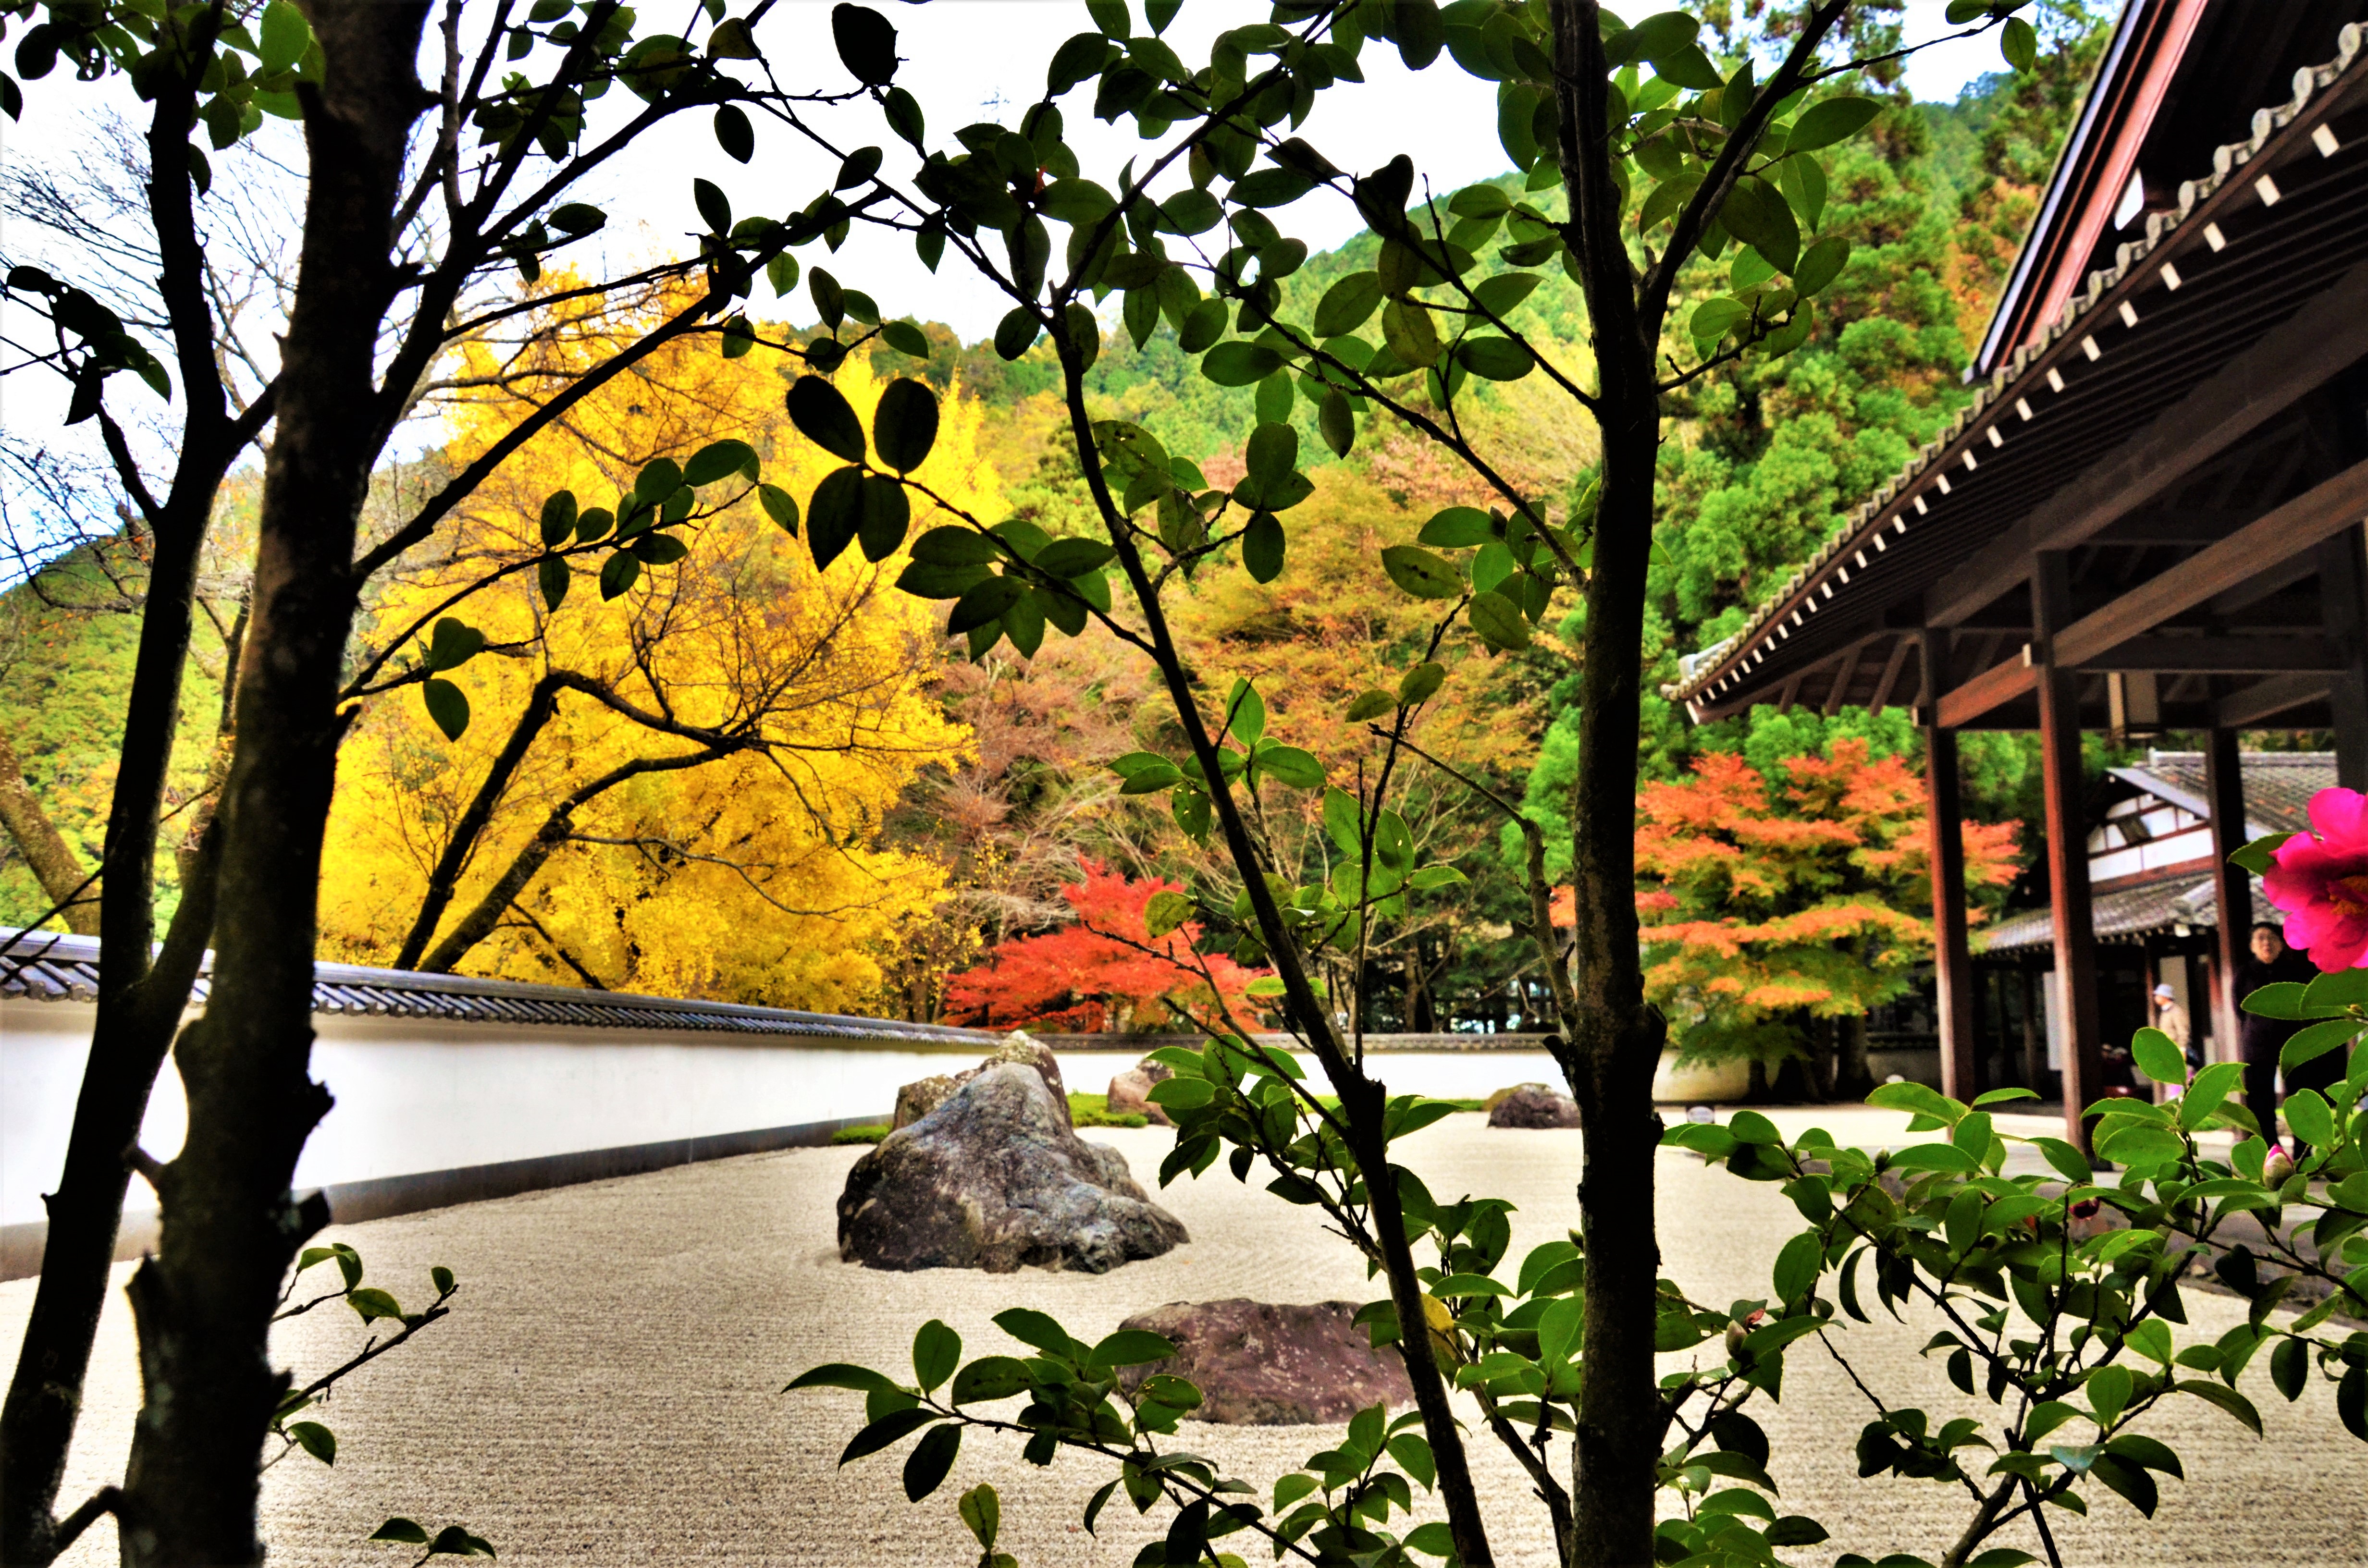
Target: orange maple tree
{"points": [[1766, 900], [1105, 971]]}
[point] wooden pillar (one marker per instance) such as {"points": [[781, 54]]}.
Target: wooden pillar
{"points": [[2034, 1034], [2343, 603], [1953, 968], [2067, 843], [2232, 889]]}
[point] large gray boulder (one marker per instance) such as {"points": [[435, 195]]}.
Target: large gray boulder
{"points": [[1532, 1105], [918, 1098], [994, 1178], [1258, 1364]]}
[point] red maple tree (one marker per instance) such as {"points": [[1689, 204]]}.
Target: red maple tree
{"points": [[1095, 975]]}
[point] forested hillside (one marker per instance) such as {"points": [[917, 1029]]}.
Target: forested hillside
{"points": [[1760, 462]]}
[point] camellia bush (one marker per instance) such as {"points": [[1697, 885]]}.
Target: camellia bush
{"points": [[1684, 192]]}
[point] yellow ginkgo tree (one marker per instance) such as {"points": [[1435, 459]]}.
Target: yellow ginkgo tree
{"points": [[665, 768]]}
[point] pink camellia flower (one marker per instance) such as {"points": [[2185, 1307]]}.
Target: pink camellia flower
{"points": [[2320, 880]]}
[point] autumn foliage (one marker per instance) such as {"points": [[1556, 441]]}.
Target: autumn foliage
{"points": [[1104, 971], [1766, 900], [776, 715]]}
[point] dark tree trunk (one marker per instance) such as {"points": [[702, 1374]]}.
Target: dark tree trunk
{"points": [[140, 1001], [203, 1305], [1614, 1038]]}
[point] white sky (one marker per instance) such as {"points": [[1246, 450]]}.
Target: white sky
{"points": [[966, 60]]}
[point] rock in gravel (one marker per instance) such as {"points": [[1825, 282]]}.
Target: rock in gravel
{"points": [[918, 1098], [1532, 1105], [996, 1178], [1258, 1364], [1131, 1091]]}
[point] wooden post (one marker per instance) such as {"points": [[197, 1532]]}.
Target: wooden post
{"points": [[2343, 603], [2034, 1034], [2067, 843], [2232, 889], [1952, 970]]}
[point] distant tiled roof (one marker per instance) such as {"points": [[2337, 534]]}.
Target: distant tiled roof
{"points": [[52, 968], [2278, 785], [2129, 914]]}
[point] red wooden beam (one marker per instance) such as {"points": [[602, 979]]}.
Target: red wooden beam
{"points": [[1998, 684], [2319, 513]]}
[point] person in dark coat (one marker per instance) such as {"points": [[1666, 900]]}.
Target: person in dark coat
{"points": [[2261, 1039]]}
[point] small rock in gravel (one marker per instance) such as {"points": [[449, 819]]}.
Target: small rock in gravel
{"points": [[1532, 1105], [1131, 1091], [1258, 1364]]}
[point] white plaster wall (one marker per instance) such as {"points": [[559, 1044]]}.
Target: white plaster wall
{"points": [[415, 1096]]}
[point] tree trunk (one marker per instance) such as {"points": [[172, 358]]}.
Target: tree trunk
{"points": [[139, 1004], [1852, 1078], [203, 1305], [1615, 1038], [54, 863]]}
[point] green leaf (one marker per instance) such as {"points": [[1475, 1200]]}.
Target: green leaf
{"points": [[558, 518], [1798, 1266], [1495, 358], [990, 1378], [1918, 1099], [1421, 573], [1758, 216], [1239, 363], [1263, 545], [1820, 265], [932, 1458], [1031, 1327], [453, 643], [984, 604], [2019, 44], [1292, 767], [2339, 988], [2108, 1393], [823, 417], [2068, 1162], [780, 507], [718, 460], [2227, 1399], [370, 1304], [448, 706], [1063, 557], [734, 133], [2256, 857], [2316, 1039], [1131, 1347], [982, 1510], [1499, 620], [454, 1540], [891, 1428], [285, 36], [400, 1530], [866, 43], [1420, 683], [1168, 911], [1245, 713], [936, 1351], [904, 425], [1018, 328], [714, 208], [315, 1439], [2158, 1057], [1348, 304], [2212, 1086], [1458, 528], [1830, 120], [1369, 704]]}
